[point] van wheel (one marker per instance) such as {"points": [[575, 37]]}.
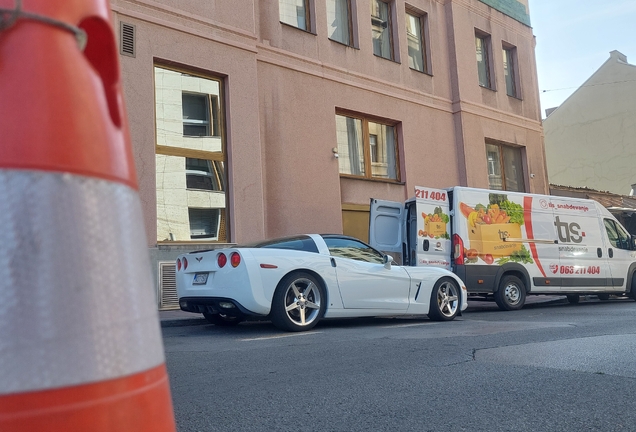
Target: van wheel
{"points": [[511, 294], [573, 298], [603, 297], [632, 292]]}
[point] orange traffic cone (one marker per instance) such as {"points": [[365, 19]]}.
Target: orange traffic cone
{"points": [[81, 346]]}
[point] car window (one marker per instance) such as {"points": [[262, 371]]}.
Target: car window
{"points": [[299, 243], [623, 238], [353, 249], [612, 233]]}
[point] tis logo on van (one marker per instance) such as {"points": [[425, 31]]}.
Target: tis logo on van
{"points": [[568, 232], [503, 234]]}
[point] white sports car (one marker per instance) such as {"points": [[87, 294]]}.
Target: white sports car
{"points": [[296, 281]]}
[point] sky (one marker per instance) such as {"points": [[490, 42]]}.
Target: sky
{"points": [[574, 38]]}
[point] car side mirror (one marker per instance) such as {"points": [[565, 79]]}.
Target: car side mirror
{"points": [[633, 242], [388, 259]]}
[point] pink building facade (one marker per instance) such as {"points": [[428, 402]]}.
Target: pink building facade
{"points": [[258, 119]]}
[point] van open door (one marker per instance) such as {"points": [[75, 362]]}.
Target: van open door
{"points": [[433, 227], [386, 227]]}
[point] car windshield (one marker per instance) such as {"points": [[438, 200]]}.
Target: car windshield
{"points": [[299, 243]]}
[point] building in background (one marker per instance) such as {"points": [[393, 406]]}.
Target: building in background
{"points": [[590, 139], [258, 119]]}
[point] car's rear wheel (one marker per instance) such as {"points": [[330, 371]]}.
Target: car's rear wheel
{"points": [[299, 302], [603, 297], [573, 298], [511, 294], [223, 320], [445, 300]]}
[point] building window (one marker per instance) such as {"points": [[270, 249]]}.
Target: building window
{"points": [[381, 29], [510, 70], [204, 223], [200, 114], [190, 158], [505, 170], [339, 21], [366, 148], [204, 174], [295, 13], [482, 45], [416, 43]]}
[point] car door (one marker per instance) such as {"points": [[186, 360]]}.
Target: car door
{"points": [[619, 255], [583, 265], [363, 279]]}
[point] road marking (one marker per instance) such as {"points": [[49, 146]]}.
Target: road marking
{"points": [[410, 325], [278, 336]]}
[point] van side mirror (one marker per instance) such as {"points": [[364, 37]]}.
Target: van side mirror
{"points": [[388, 259], [633, 242]]}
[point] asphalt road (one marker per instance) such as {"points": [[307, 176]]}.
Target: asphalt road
{"points": [[549, 367]]}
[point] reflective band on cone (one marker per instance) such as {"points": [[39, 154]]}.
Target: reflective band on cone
{"points": [[81, 346], [133, 403]]}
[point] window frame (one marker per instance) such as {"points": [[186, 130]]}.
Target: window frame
{"points": [[502, 166], [422, 17], [366, 144], [217, 130], [308, 17], [350, 10], [487, 52], [389, 28], [513, 71]]}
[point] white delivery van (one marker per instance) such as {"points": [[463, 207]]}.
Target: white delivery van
{"points": [[510, 244]]}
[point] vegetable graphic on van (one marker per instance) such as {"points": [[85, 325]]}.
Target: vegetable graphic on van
{"points": [[490, 225], [435, 224]]}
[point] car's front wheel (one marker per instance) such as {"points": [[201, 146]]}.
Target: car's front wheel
{"points": [[299, 302], [445, 300], [223, 320], [573, 298], [511, 294]]}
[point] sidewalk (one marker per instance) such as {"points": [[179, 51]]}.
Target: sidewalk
{"points": [[179, 318]]}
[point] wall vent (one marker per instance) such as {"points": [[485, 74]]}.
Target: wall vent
{"points": [[127, 39], [167, 286]]}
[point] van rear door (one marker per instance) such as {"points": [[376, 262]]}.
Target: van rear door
{"points": [[433, 227], [386, 227]]}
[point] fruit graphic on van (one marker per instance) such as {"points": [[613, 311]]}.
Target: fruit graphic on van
{"points": [[435, 224], [489, 227]]}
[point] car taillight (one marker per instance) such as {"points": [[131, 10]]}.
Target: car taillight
{"points": [[178, 264], [221, 260], [185, 263], [235, 259], [458, 245]]}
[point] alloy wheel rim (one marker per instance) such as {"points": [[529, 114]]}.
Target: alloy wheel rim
{"points": [[302, 302], [447, 299]]}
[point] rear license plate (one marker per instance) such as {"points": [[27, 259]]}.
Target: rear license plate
{"points": [[200, 278]]}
